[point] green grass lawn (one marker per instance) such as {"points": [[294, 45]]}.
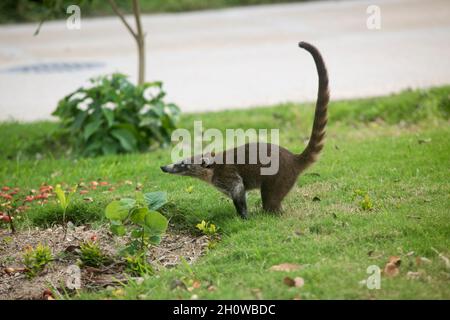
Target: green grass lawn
{"points": [[396, 149]]}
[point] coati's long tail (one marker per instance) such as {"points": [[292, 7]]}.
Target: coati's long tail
{"points": [[316, 141]]}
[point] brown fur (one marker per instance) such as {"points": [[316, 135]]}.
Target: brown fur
{"points": [[235, 179]]}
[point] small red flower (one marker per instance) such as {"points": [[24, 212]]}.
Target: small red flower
{"points": [[5, 218], [83, 191], [29, 198], [5, 188], [94, 237], [104, 183], [46, 189], [6, 196]]}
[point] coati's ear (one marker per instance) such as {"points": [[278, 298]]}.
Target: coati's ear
{"points": [[207, 163]]}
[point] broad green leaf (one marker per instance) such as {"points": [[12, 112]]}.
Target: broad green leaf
{"points": [[126, 139], [128, 202], [118, 229], [109, 147], [79, 119], [155, 240], [118, 209], [61, 196], [109, 115], [156, 223], [92, 147], [136, 234], [132, 248], [138, 216], [91, 127], [155, 200]]}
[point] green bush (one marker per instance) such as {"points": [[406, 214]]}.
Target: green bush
{"points": [[115, 116]]}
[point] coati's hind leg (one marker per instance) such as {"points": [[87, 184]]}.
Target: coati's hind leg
{"points": [[272, 195]]}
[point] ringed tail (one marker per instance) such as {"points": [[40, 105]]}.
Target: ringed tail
{"points": [[317, 139]]}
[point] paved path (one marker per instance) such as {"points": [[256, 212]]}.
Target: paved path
{"points": [[237, 57]]}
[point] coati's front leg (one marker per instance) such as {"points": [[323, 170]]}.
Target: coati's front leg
{"points": [[233, 186], [240, 200]]}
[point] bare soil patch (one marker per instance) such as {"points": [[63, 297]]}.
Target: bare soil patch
{"points": [[14, 283]]}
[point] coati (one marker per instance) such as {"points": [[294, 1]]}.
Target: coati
{"points": [[235, 179]]}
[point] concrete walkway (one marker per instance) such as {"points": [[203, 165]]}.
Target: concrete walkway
{"points": [[237, 57]]}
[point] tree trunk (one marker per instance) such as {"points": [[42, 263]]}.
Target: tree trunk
{"points": [[138, 35], [140, 39]]}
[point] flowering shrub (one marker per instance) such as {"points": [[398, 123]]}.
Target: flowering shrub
{"points": [[115, 116]]}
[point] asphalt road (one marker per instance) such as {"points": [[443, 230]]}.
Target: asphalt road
{"points": [[235, 58]]}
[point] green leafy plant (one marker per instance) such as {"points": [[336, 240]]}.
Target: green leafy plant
{"points": [[115, 116], [207, 228], [139, 216], [365, 202], [36, 259], [137, 265], [91, 254], [64, 201]]}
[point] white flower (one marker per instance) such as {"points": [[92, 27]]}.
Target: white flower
{"points": [[110, 105], [146, 108], [151, 92], [78, 95]]}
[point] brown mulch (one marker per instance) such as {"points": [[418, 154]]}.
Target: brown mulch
{"points": [[14, 284]]}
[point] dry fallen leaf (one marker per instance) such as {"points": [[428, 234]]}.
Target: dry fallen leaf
{"points": [[211, 288], [289, 281], [196, 284], [420, 260], [257, 293], [443, 258], [10, 270], [413, 275], [299, 282], [285, 267], [391, 268], [395, 260], [296, 282]]}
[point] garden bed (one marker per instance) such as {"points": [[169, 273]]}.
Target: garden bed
{"points": [[14, 283]]}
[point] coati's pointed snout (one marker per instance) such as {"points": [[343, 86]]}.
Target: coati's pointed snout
{"points": [[170, 168], [175, 168], [164, 169]]}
